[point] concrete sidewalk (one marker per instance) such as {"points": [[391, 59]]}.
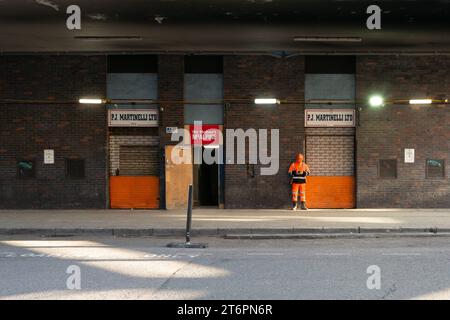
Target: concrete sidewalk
{"points": [[230, 223]]}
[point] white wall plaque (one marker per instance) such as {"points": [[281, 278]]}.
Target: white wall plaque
{"points": [[49, 156], [409, 155]]}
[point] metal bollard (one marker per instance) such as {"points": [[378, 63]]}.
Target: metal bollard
{"points": [[189, 215], [188, 243]]}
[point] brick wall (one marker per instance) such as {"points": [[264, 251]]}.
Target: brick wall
{"points": [[170, 89], [384, 133], [248, 77], [72, 130]]}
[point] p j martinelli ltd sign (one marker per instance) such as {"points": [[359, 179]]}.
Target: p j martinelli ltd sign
{"points": [[133, 118], [329, 118]]}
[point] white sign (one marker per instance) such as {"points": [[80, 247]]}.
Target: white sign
{"points": [[171, 130], [49, 156], [409, 155], [329, 118], [133, 118]]}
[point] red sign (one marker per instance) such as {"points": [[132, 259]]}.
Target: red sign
{"points": [[205, 134]]}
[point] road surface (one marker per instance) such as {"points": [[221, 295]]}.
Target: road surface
{"points": [[143, 268]]}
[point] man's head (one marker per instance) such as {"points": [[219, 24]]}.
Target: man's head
{"points": [[299, 158]]}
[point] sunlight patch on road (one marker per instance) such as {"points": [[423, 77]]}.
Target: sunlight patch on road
{"points": [[435, 295], [74, 250], [158, 269], [51, 243], [123, 261], [113, 294]]}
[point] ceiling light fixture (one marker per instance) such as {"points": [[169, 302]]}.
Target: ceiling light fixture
{"points": [[91, 101], [267, 101], [376, 101], [420, 101]]}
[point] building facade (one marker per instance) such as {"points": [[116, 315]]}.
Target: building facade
{"points": [[58, 153]]}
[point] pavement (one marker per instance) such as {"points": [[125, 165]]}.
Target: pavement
{"points": [[229, 223]]}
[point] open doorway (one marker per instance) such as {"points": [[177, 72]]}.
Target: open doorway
{"points": [[206, 182]]}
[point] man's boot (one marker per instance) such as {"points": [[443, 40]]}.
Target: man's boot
{"points": [[294, 205], [303, 205]]}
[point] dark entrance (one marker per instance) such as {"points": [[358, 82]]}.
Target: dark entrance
{"points": [[206, 183]]}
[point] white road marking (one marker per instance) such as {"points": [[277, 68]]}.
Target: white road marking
{"points": [[265, 254], [402, 254], [104, 256], [333, 254]]}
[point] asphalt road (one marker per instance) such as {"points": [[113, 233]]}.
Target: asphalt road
{"points": [[143, 268]]}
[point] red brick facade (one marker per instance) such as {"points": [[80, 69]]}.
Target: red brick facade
{"points": [[80, 131], [248, 77], [170, 89], [385, 132], [71, 129]]}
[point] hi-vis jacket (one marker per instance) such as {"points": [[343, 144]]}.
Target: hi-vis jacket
{"points": [[298, 172]]}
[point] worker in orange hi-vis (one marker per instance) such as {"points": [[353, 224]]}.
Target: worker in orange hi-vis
{"points": [[298, 172]]}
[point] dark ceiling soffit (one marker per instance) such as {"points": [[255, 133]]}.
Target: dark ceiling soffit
{"points": [[228, 53]]}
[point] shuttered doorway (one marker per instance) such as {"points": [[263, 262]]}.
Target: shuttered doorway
{"points": [[138, 161], [136, 183], [331, 159]]}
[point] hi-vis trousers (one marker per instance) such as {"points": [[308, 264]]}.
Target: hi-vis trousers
{"points": [[298, 189]]}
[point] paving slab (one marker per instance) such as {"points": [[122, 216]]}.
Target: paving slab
{"points": [[224, 221]]}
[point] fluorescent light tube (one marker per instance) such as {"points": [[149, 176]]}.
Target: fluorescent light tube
{"points": [[266, 101], [420, 101], [90, 101]]}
